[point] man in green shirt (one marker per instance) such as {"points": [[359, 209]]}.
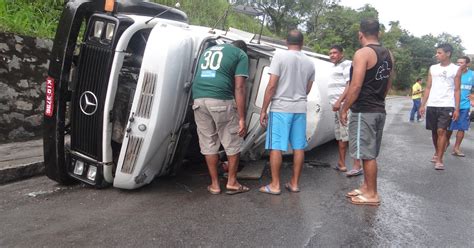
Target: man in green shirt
{"points": [[219, 109]]}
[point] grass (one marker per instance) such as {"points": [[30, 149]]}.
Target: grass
{"points": [[30, 17]]}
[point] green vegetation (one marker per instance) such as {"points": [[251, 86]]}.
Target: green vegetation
{"points": [[30, 17], [325, 23], [211, 13]]}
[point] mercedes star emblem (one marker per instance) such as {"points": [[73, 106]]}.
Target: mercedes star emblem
{"points": [[88, 103]]}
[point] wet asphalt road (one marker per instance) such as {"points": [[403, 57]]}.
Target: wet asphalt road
{"points": [[420, 206]]}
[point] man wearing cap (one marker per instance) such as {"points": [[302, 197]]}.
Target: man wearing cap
{"points": [[291, 78]]}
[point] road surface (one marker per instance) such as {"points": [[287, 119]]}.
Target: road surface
{"points": [[420, 206]]}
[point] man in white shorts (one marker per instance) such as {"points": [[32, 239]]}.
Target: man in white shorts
{"points": [[337, 90]]}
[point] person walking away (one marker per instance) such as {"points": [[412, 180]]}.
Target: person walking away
{"points": [[291, 78], [219, 109], [463, 122], [416, 92], [441, 100], [371, 80], [337, 91]]}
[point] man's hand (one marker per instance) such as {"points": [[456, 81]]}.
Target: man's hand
{"points": [[242, 128], [421, 110], [263, 118], [336, 106], [343, 117], [456, 115]]}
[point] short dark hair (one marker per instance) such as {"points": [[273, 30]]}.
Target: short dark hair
{"points": [[337, 47], [369, 27], [240, 44], [294, 37], [466, 58], [418, 79], [446, 48]]}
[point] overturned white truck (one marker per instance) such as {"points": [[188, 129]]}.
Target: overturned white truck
{"points": [[118, 103]]}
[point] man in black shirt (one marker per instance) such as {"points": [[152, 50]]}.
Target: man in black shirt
{"points": [[371, 78]]}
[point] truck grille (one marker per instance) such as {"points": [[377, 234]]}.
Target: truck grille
{"points": [[146, 96], [133, 149], [93, 75]]}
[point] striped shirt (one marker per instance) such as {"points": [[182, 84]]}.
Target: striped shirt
{"points": [[338, 79]]}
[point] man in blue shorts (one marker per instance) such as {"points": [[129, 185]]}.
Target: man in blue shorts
{"points": [[291, 78], [462, 123]]}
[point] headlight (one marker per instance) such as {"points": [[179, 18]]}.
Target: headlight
{"points": [[79, 167], [92, 172], [98, 27], [109, 31]]}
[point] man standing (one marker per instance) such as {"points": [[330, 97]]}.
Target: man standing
{"points": [[337, 91], [370, 81], [291, 78], [220, 78], [463, 122], [442, 100], [416, 91]]}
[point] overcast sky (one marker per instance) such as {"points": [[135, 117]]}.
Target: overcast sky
{"points": [[422, 17]]}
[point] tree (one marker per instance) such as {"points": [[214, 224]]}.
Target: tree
{"points": [[339, 25]]}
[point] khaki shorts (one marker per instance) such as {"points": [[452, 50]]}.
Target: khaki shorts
{"points": [[341, 131], [217, 123]]}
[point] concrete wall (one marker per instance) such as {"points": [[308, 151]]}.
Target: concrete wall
{"points": [[23, 70]]}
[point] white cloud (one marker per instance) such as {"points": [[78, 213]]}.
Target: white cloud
{"points": [[422, 17]]}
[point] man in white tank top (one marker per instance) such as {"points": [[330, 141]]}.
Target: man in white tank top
{"points": [[441, 98]]}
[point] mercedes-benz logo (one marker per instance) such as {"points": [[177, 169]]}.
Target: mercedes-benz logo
{"points": [[88, 103]]}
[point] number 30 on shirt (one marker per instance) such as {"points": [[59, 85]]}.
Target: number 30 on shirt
{"points": [[212, 60]]}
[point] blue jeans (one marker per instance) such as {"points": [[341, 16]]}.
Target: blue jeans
{"points": [[416, 106]]}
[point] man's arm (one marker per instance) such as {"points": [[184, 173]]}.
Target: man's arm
{"points": [[426, 96], [308, 87], [337, 104], [393, 75], [359, 67], [457, 93], [239, 94], [269, 93]]}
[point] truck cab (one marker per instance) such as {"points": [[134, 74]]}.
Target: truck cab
{"points": [[118, 104]]}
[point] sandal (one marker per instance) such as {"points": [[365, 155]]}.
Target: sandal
{"points": [[362, 200], [458, 154], [353, 193], [240, 189], [290, 189], [439, 166], [354, 172], [213, 191], [343, 169], [266, 189]]}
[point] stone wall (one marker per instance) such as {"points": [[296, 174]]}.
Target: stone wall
{"points": [[23, 70]]}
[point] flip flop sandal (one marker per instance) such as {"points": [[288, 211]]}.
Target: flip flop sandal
{"points": [[292, 190], [433, 159], [361, 200], [353, 193], [240, 189], [439, 166], [266, 189], [353, 172], [458, 154], [213, 191], [340, 169]]}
